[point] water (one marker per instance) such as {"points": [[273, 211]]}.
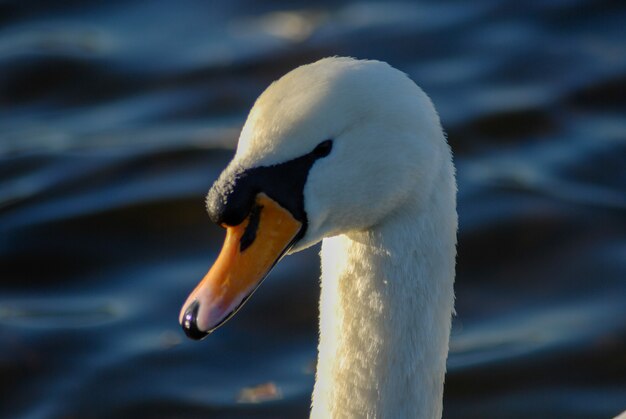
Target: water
{"points": [[116, 117]]}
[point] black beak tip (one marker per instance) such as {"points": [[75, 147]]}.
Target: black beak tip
{"points": [[189, 323]]}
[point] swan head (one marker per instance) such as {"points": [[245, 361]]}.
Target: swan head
{"points": [[330, 148]]}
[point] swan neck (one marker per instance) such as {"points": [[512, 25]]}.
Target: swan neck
{"points": [[385, 313]]}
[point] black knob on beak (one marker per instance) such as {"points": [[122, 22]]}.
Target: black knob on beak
{"points": [[233, 194]]}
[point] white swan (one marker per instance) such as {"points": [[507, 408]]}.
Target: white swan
{"points": [[351, 152]]}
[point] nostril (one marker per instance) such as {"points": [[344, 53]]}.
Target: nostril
{"points": [[190, 322]]}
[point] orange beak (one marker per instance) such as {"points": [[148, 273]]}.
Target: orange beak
{"points": [[250, 251]]}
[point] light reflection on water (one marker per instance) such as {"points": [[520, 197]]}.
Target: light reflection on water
{"points": [[525, 334]]}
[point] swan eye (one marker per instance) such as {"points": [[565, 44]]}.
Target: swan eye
{"points": [[323, 149]]}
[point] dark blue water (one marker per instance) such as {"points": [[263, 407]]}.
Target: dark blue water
{"points": [[116, 117]]}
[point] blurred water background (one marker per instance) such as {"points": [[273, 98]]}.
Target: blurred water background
{"points": [[117, 116]]}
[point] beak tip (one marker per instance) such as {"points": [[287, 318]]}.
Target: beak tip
{"points": [[190, 322]]}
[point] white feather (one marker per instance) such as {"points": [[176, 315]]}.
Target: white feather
{"points": [[384, 203]]}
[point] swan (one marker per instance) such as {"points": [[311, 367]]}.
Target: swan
{"points": [[351, 153]]}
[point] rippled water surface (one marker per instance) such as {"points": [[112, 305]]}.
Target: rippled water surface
{"points": [[116, 117]]}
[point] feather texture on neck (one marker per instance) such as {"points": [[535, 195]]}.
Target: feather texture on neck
{"points": [[385, 312]]}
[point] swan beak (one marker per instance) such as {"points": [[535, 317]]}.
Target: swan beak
{"points": [[250, 251]]}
